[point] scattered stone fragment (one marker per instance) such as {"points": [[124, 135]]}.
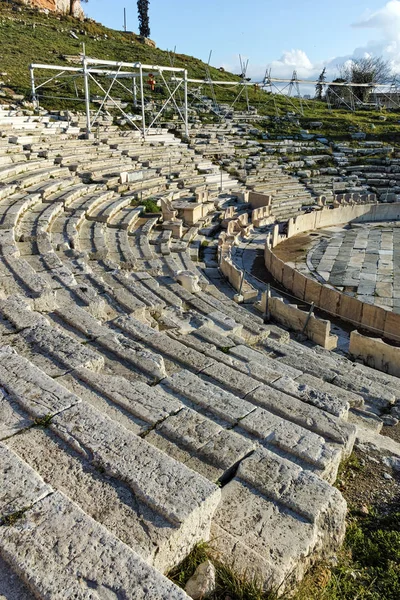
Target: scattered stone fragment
{"points": [[202, 583]]}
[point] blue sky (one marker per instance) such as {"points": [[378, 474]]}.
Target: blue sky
{"points": [[302, 34]]}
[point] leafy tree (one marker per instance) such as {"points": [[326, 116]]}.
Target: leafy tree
{"points": [[369, 69], [338, 94], [319, 88], [143, 11]]}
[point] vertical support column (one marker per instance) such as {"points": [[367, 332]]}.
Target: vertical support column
{"points": [[134, 92], [87, 95], [266, 298], [185, 108], [142, 101], [33, 88]]}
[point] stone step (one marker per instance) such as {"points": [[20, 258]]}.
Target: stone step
{"points": [[271, 496], [53, 546], [319, 449]]}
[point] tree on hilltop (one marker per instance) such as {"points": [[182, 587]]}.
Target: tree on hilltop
{"points": [[143, 12], [366, 70]]}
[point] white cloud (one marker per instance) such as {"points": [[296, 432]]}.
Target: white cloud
{"points": [[386, 20], [386, 23], [290, 60]]}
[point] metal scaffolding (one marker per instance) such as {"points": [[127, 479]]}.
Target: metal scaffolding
{"points": [[106, 76], [135, 79]]}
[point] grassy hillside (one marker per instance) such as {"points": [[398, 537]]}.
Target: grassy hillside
{"points": [[29, 36]]}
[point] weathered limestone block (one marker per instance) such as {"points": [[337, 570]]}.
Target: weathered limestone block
{"points": [[20, 486], [266, 524], [372, 391], [354, 400], [310, 417], [81, 320], [140, 357], [188, 280], [231, 379], [33, 390], [165, 485], [208, 396], [164, 344], [35, 282], [62, 347], [200, 443], [250, 355], [8, 247], [108, 500], [58, 549], [324, 400], [12, 418], [309, 448], [145, 402], [16, 310]]}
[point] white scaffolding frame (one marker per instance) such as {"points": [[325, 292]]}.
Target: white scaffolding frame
{"points": [[92, 69]]}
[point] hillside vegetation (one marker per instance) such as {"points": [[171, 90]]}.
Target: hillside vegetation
{"points": [[30, 36]]}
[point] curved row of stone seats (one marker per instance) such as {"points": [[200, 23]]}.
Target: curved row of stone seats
{"points": [[253, 165], [159, 371], [50, 519], [189, 451], [290, 524]]}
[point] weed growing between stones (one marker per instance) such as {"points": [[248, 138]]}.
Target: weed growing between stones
{"points": [[43, 421], [225, 349], [228, 583], [10, 520], [151, 206]]}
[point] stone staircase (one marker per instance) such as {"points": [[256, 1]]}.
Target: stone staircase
{"points": [[138, 417]]}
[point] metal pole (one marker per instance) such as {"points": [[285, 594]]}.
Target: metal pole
{"points": [[124, 19], [142, 100], [34, 99], [310, 312], [134, 92], [185, 113], [241, 284], [266, 316], [87, 95]]}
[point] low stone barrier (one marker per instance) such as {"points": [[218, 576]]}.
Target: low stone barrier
{"points": [[326, 297], [255, 199], [292, 317], [236, 278], [261, 216], [375, 353], [328, 217]]}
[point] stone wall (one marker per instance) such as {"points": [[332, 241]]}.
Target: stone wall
{"points": [[375, 353], [236, 278], [292, 317], [375, 318]]}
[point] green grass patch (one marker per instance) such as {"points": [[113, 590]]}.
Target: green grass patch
{"points": [[368, 566], [151, 206], [43, 421], [228, 583]]}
